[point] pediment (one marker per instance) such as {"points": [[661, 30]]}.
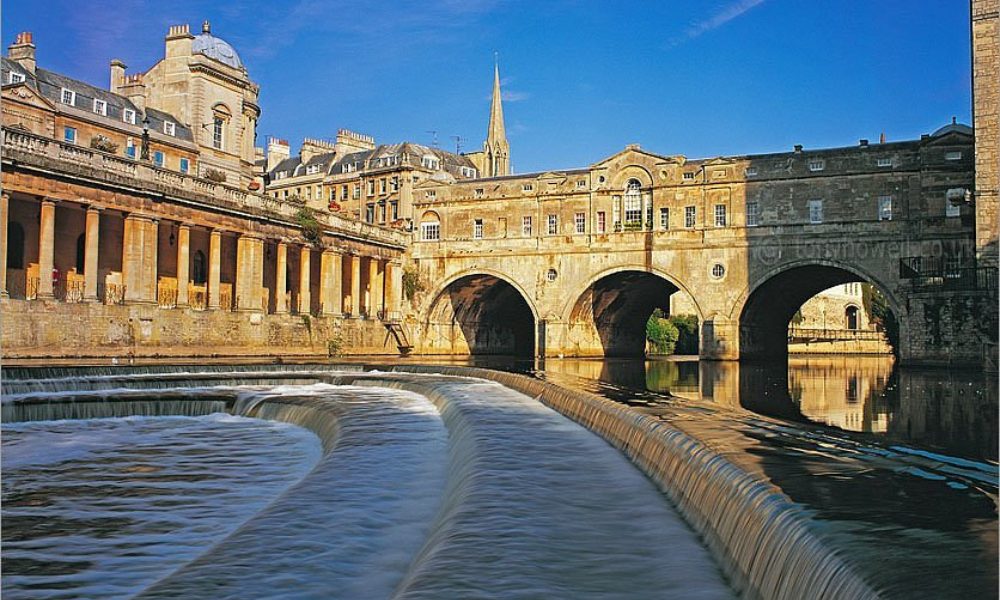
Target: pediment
{"points": [[633, 154], [25, 94]]}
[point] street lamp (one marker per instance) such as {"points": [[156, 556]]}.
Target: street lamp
{"points": [[144, 151]]}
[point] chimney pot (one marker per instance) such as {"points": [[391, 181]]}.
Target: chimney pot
{"points": [[798, 147], [864, 142], [22, 51]]}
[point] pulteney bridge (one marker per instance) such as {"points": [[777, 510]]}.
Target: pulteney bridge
{"points": [[574, 262]]}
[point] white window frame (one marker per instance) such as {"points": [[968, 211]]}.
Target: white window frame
{"points": [[128, 116], [527, 187], [753, 213], [690, 217], [688, 176], [72, 97], [218, 133], [100, 107], [953, 155], [430, 162], [130, 148], [883, 161], [552, 224], [477, 229], [720, 215], [170, 128], [13, 77], [602, 221], [430, 231], [816, 211], [526, 226], [431, 194], [664, 218], [885, 208], [751, 171], [312, 169], [632, 202], [816, 165], [580, 222]]}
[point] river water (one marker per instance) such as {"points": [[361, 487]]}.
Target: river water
{"points": [[496, 496]]}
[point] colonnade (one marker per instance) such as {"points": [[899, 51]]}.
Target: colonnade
{"points": [[348, 283]]}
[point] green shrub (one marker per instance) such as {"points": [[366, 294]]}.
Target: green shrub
{"points": [[661, 333]]}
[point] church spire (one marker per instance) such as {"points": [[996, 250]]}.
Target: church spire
{"points": [[496, 148]]}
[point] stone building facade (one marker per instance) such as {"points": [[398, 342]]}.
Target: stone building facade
{"points": [[986, 120], [115, 242]]}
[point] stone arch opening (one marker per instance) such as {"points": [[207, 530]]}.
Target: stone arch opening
{"points": [[609, 317], [481, 314], [770, 307]]}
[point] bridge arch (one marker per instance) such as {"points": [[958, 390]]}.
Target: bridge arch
{"points": [[766, 307], [480, 311], [608, 315]]}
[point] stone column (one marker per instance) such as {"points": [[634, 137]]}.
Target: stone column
{"points": [[183, 263], [91, 237], [214, 268], [394, 288], [46, 248], [376, 286], [139, 259], [305, 299], [249, 272], [281, 279], [356, 300], [4, 211], [330, 283]]}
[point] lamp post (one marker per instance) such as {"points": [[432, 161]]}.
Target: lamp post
{"points": [[144, 150]]}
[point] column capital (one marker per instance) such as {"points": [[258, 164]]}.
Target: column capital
{"points": [[336, 251], [5, 195], [182, 226], [49, 200], [94, 208]]}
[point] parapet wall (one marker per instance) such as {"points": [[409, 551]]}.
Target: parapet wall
{"points": [[39, 329]]}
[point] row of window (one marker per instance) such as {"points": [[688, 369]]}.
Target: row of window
{"points": [[393, 212], [128, 115], [720, 218], [71, 136]]}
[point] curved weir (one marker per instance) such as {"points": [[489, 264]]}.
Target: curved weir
{"points": [[540, 505]]}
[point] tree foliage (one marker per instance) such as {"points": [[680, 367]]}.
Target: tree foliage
{"points": [[312, 229], [661, 333], [877, 308], [412, 284]]}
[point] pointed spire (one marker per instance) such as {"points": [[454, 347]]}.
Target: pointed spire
{"points": [[496, 131], [496, 149]]}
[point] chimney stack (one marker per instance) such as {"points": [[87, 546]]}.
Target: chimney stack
{"points": [[178, 41], [134, 89], [117, 75], [277, 151], [798, 148], [863, 143], [22, 51]]}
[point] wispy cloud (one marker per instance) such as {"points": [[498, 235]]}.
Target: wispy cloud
{"points": [[513, 96], [728, 13]]}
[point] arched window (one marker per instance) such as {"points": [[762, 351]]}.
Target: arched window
{"points": [[852, 317], [430, 227], [81, 252], [15, 246], [633, 202], [199, 273]]}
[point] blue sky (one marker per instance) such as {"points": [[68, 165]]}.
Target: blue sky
{"points": [[582, 79]]}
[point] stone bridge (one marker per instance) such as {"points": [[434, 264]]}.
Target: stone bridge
{"points": [[574, 262]]}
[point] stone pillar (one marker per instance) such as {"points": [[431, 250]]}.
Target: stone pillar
{"points": [[281, 279], [91, 237], [139, 259], [214, 268], [305, 299], [183, 263], [394, 288], [46, 247], [331, 268], [356, 299], [249, 273], [376, 286], [4, 211]]}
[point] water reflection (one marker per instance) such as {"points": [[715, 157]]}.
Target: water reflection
{"points": [[954, 412]]}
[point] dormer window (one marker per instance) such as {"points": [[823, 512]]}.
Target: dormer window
{"points": [[100, 107], [884, 162], [68, 97], [169, 128], [128, 115], [430, 162], [15, 77], [281, 174], [468, 172], [312, 169], [751, 171], [817, 164], [431, 194], [348, 167]]}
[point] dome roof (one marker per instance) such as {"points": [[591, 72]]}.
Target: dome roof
{"points": [[955, 127], [215, 48]]}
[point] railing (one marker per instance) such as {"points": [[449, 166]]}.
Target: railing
{"points": [[226, 296], [197, 296], [22, 145], [166, 292], [958, 279], [798, 334], [114, 293], [69, 286]]}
